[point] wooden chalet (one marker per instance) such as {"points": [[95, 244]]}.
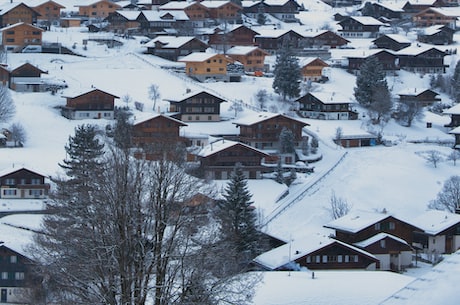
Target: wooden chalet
{"points": [[155, 135], [273, 40], [27, 78], [422, 59], [4, 75], [123, 21], [201, 106], [92, 104], [312, 69], [437, 16], [316, 253], [175, 47], [18, 279], [164, 23], [359, 27], [323, 38], [378, 10], [196, 12], [219, 159], [17, 12], [238, 35], [387, 59], [454, 113], [284, 10], [23, 183], [262, 130], [437, 35], [413, 7], [70, 22], [419, 96], [211, 66], [393, 253], [252, 58], [438, 233], [222, 10], [361, 225], [325, 106], [96, 9], [49, 11], [20, 35], [393, 42]]}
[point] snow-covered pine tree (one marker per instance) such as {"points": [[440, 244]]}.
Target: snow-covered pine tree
{"points": [[371, 76], [239, 220], [456, 83], [287, 74], [286, 140]]}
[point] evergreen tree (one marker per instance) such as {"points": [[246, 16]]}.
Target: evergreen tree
{"points": [[371, 78], [286, 140], [122, 134], [456, 83], [279, 173], [382, 105], [238, 219], [287, 74]]}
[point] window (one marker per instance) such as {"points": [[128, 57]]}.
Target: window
{"points": [[308, 259], [4, 275], [382, 243], [10, 181], [35, 192], [35, 181], [347, 258], [392, 225], [339, 258], [208, 69], [13, 259], [324, 258], [377, 226], [9, 192], [19, 276]]}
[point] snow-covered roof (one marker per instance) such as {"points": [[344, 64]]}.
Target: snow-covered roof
{"points": [[249, 3], [456, 130], [35, 3], [331, 97], [367, 20], [356, 221], [214, 3], [5, 8], [276, 2], [356, 53], [21, 23], [431, 30], [221, 145], [453, 110], [303, 61], [10, 170], [273, 33], [289, 252], [421, 2], [260, 117], [378, 237], [78, 92], [433, 222], [412, 91], [176, 5], [197, 57], [91, 2], [416, 49], [398, 38], [242, 50], [170, 42], [447, 11], [145, 116], [129, 15], [183, 96]]}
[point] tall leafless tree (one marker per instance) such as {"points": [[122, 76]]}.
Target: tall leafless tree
{"points": [[449, 197], [7, 107]]}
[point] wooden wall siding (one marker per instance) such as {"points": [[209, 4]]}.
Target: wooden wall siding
{"points": [[269, 130], [94, 100], [226, 11], [156, 130], [233, 155], [27, 70], [429, 17], [217, 65], [20, 13], [253, 61], [22, 35], [310, 103], [241, 36], [202, 103], [12, 263], [336, 256], [197, 12], [100, 9], [385, 42], [399, 229], [21, 177], [48, 11]]}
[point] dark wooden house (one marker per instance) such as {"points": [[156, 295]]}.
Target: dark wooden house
{"points": [[393, 42], [378, 10], [437, 16], [173, 47], [420, 96], [359, 27], [387, 59], [219, 159], [27, 78], [285, 10], [422, 59], [323, 38], [123, 22], [4, 75], [174, 22], [200, 106], [92, 104], [17, 277], [437, 35], [23, 183], [393, 253], [325, 106], [361, 225], [456, 133], [222, 10], [17, 12], [238, 35], [273, 40], [454, 113], [413, 7], [262, 131]]}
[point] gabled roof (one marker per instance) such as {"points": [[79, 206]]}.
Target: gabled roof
{"points": [[13, 71], [364, 20], [35, 3], [78, 94], [201, 57], [20, 24], [395, 37], [358, 220], [152, 15], [129, 15], [9, 171], [171, 42], [144, 117], [278, 257], [452, 110], [275, 33], [304, 61], [217, 3], [354, 53], [222, 145], [414, 91], [331, 97], [178, 5], [417, 49], [180, 98], [453, 12], [244, 50], [434, 222], [5, 8], [434, 29], [260, 117], [455, 131], [389, 6], [378, 237], [91, 2]]}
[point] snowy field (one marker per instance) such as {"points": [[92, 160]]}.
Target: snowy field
{"points": [[394, 178]]}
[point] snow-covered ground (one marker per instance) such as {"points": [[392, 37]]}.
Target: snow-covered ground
{"points": [[394, 178]]}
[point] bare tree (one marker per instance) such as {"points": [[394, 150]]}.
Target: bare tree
{"points": [[261, 98], [18, 134], [154, 95], [407, 112], [433, 157], [454, 156], [339, 207], [127, 99], [7, 107], [449, 197], [236, 106], [379, 110]]}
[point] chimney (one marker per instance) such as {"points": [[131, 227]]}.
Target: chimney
{"points": [[188, 90]]}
